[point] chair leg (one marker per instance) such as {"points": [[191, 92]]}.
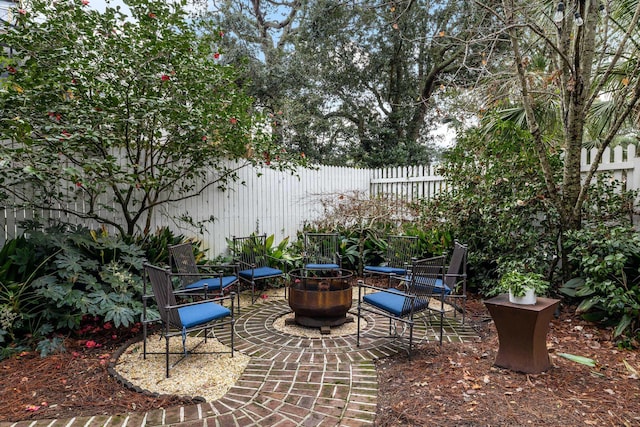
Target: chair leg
{"points": [[232, 332], [410, 338], [167, 355], [358, 327], [144, 339], [441, 326], [464, 307]]}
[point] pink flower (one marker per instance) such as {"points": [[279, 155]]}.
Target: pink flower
{"points": [[75, 354], [204, 138], [22, 11], [216, 55], [107, 326], [233, 120], [164, 78], [85, 2], [221, 33], [91, 344]]}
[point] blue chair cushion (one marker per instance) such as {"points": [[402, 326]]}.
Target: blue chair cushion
{"points": [[441, 287], [322, 266], [260, 272], [213, 283], [422, 282], [384, 270], [393, 301], [199, 314]]}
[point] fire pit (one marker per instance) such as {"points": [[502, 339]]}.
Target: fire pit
{"points": [[320, 298]]}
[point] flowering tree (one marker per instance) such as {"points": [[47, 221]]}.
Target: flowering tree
{"points": [[107, 117]]}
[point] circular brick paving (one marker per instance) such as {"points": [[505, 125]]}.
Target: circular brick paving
{"points": [[290, 380]]}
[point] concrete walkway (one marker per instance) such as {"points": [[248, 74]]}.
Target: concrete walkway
{"points": [[290, 380]]}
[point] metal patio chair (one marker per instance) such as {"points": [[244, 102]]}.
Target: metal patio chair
{"points": [[455, 279], [185, 318], [202, 279], [403, 307], [322, 251], [251, 256], [398, 255]]}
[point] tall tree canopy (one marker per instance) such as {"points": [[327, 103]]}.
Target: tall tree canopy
{"points": [[359, 81]]}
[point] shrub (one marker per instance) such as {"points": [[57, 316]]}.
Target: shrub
{"points": [[607, 262], [78, 272]]}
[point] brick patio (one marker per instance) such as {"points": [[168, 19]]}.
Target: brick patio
{"points": [[290, 380]]}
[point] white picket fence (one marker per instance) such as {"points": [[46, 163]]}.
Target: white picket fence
{"points": [[280, 203]]}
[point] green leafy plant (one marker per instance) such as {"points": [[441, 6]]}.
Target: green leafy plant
{"points": [[79, 272], [606, 259], [517, 282]]}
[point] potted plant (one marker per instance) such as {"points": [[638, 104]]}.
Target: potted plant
{"points": [[523, 288]]}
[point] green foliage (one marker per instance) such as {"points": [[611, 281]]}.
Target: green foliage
{"points": [[79, 272], [375, 72], [609, 202], [607, 262], [280, 254], [363, 222], [497, 204], [155, 245], [110, 117], [517, 282]]}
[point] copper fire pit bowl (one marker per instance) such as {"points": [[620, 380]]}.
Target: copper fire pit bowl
{"points": [[320, 298]]}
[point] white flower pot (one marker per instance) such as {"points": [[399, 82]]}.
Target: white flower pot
{"points": [[529, 297]]}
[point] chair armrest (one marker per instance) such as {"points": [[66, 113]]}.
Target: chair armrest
{"points": [[219, 267], [217, 299], [246, 265], [362, 285], [457, 280]]}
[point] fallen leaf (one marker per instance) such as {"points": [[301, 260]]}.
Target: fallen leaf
{"points": [[634, 372], [579, 359]]}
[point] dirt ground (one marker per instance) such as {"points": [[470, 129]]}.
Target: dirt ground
{"points": [[456, 385]]}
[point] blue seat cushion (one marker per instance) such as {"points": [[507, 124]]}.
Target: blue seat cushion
{"points": [[199, 314], [384, 270], [441, 287], [423, 283], [260, 272], [393, 301], [213, 283], [322, 266]]}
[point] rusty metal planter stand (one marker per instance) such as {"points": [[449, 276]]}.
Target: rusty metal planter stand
{"points": [[522, 333]]}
